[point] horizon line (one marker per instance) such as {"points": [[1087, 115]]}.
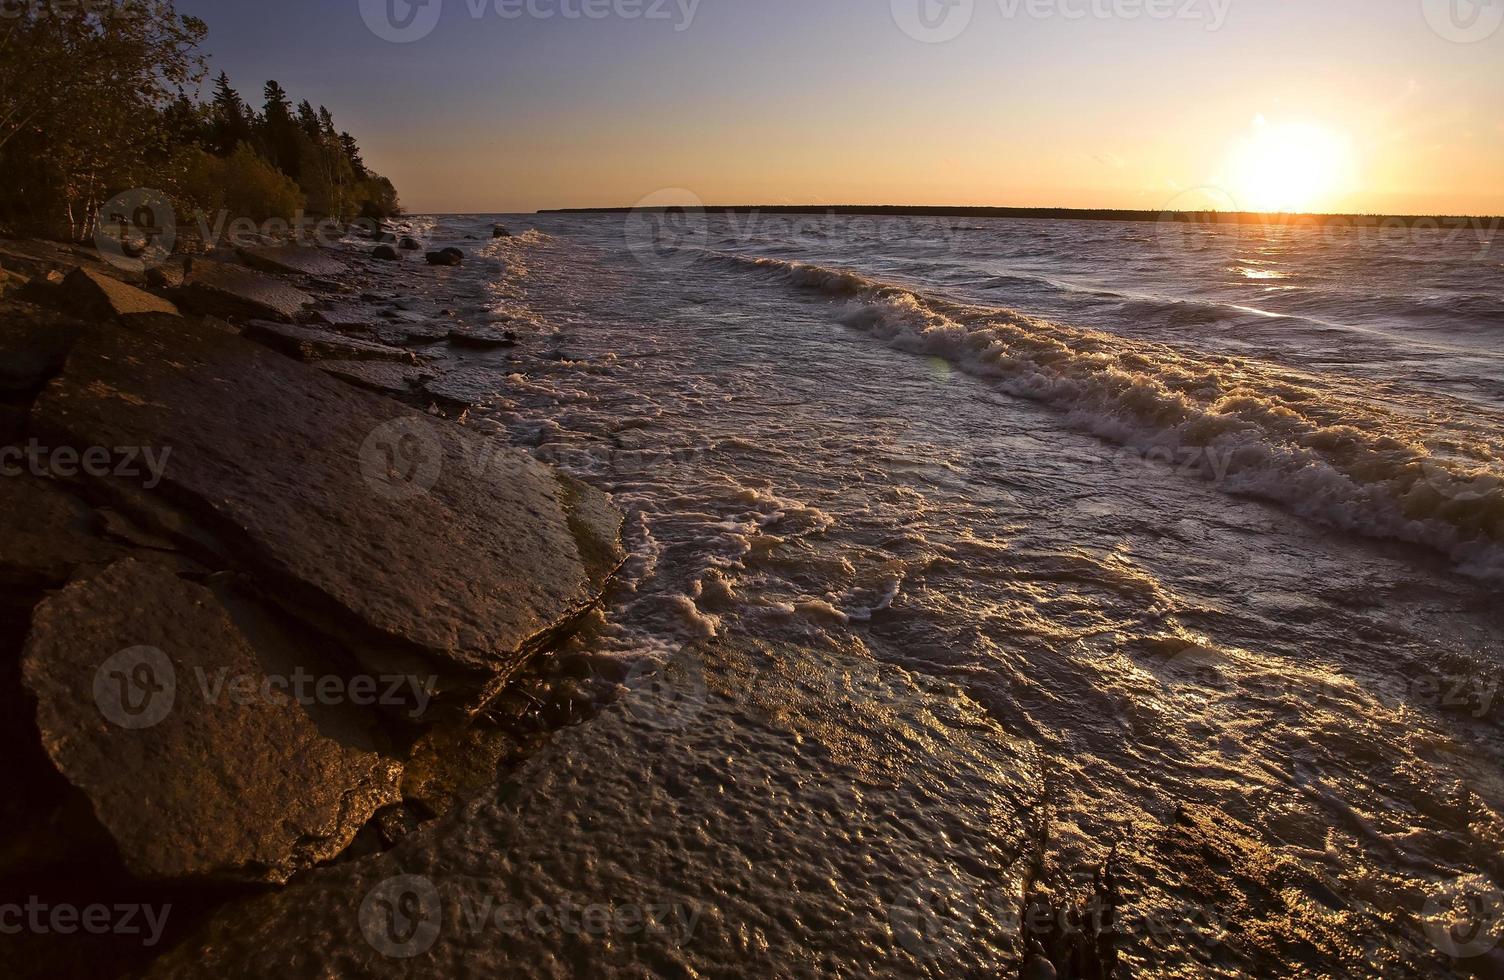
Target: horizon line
{"points": [[985, 211]]}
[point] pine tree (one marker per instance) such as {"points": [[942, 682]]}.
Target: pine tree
{"points": [[308, 120], [280, 130], [352, 154], [230, 120]]}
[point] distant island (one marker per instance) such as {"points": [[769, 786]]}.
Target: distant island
{"points": [[1086, 214]]}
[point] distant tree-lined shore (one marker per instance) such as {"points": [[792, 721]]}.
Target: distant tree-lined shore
{"points": [[1078, 214], [102, 98]]}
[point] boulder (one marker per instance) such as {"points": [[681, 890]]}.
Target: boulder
{"points": [[235, 293], [409, 244], [386, 254], [296, 260], [313, 344], [500, 231], [93, 295], [421, 541], [448, 256], [191, 775]]}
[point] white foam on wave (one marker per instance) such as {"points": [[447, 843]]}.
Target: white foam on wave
{"points": [[1288, 437]]}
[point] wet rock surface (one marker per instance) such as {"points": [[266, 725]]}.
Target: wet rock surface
{"points": [[383, 378], [482, 338], [466, 386], [737, 820], [190, 779], [358, 511], [291, 260], [234, 292], [294, 521], [311, 344]]}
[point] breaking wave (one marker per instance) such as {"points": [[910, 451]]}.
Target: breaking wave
{"points": [[1321, 447]]}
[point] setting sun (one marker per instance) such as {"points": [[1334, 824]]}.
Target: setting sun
{"points": [[1290, 167]]}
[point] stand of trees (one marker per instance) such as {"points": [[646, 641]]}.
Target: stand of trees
{"points": [[95, 100]]}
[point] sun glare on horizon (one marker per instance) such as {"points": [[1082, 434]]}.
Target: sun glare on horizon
{"points": [[1291, 167]]}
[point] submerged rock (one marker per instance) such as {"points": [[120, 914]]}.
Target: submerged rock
{"points": [[386, 253], [97, 296], [409, 244], [312, 344], [233, 292], [448, 256], [424, 543], [500, 231], [192, 779], [291, 260]]}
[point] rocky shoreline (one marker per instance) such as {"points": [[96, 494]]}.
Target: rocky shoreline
{"points": [[267, 595]]}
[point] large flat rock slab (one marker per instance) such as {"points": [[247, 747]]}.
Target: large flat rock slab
{"points": [[192, 780], [397, 380], [95, 295], [36, 258], [234, 292], [415, 535], [291, 260], [313, 344]]}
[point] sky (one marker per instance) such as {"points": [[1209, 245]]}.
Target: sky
{"points": [[1393, 106]]}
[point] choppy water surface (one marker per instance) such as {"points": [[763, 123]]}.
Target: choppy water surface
{"points": [[995, 584]]}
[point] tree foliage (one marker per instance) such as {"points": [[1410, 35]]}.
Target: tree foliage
{"points": [[99, 98]]}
